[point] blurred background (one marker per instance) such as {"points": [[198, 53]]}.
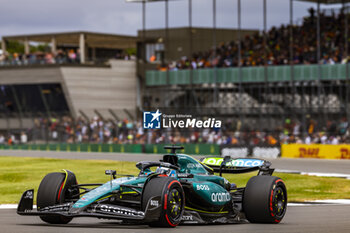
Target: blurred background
{"points": [[275, 72]]}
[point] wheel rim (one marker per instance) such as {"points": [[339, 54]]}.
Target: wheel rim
{"points": [[175, 204], [279, 202]]}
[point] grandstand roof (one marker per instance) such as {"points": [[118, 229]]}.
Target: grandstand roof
{"points": [[315, 1], [325, 1], [147, 0], [93, 39]]}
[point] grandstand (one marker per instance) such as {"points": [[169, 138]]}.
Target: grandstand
{"points": [[292, 72], [83, 74], [285, 84], [181, 42]]}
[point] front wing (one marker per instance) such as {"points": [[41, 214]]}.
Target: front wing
{"points": [[106, 211]]}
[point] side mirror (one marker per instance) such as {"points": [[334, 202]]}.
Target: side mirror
{"points": [[112, 173], [223, 163]]}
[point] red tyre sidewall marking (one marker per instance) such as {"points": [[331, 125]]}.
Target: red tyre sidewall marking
{"points": [[171, 224], [271, 209], [279, 180], [271, 196], [174, 181], [166, 202], [59, 193]]}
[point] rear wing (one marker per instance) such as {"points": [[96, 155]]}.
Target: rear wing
{"points": [[238, 165]]}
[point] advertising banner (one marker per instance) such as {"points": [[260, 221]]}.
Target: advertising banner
{"points": [[264, 152], [234, 152], [318, 151]]}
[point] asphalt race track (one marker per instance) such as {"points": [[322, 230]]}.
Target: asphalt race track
{"points": [[309, 219], [305, 165]]}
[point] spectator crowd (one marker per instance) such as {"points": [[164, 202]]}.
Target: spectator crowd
{"points": [[274, 47], [70, 56], [60, 57], [97, 130], [256, 50]]}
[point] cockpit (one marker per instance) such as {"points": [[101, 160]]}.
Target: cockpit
{"points": [[173, 164], [186, 164]]}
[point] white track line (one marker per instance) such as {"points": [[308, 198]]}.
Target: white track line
{"points": [[299, 204], [11, 206], [322, 202], [8, 206], [288, 171], [338, 175], [320, 174], [335, 201]]}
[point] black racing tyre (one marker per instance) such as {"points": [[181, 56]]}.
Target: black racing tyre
{"points": [[173, 200], [50, 193], [265, 199]]}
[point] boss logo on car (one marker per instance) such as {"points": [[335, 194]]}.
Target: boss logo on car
{"points": [[202, 187], [154, 203], [220, 197]]}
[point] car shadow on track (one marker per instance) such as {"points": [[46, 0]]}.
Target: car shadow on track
{"points": [[118, 225], [86, 225]]}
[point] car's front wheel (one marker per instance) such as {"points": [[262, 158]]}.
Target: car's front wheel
{"points": [[173, 200], [52, 192]]}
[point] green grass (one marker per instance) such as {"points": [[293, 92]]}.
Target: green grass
{"points": [[18, 174], [305, 188]]}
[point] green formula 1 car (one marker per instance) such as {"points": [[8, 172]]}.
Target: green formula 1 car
{"points": [[177, 190]]}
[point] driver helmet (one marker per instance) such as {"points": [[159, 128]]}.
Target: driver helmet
{"points": [[162, 170]]}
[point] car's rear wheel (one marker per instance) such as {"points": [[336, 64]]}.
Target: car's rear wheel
{"points": [[265, 199], [173, 200], [51, 192]]}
